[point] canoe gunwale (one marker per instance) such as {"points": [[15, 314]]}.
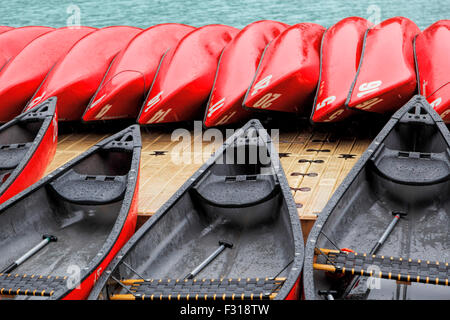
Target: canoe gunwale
{"points": [[47, 120]]}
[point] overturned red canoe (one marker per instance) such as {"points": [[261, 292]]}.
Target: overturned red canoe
{"points": [[339, 59], [5, 28], [432, 47], [123, 90], [186, 76], [27, 146], [14, 40], [236, 69], [288, 70], [75, 78], [386, 77], [21, 77]]}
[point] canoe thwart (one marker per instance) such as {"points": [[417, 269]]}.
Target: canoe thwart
{"points": [[201, 289], [400, 269], [30, 285]]}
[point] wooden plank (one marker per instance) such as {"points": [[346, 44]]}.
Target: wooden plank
{"points": [[312, 172]]}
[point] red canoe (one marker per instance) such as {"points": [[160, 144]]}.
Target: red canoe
{"points": [[386, 77], [236, 69], [288, 70], [433, 65], [22, 76], [186, 76], [27, 146], [75, 78], [339, 59], [13, 41], [131, 74], [5, 28]]}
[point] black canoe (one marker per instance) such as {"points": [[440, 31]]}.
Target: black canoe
{"points": [[27, 146], [230, 232], [89, 206], [384, 234]]}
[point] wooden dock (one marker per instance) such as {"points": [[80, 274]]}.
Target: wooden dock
{"points": [[315, 164]]}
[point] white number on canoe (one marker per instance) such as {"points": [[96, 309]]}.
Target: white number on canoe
{"points": [[226, 118], [159, 116], [261, 84], [367, 105], [368, 87], [436, 102], [325, 102], [55, 128], [102, 112], [153, 101], [266, 100], [36, 100], [445, 113], [335, 115], [216, 106]]}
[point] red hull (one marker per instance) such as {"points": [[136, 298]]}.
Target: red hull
{"points": [[340, 53], [127, 231], [14, 40], [386, 77], [288, 70], [5, 28], [236, 69], [121, 93], [433, 65], [22, 76], [186, 76], [75, 78], [38, 162]]}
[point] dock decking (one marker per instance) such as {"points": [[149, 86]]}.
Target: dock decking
{"points": [[315, 164]]}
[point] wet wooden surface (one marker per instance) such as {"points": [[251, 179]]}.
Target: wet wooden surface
{"points": [[315, 164]]}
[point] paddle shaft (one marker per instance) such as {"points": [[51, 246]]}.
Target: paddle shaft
{"points": [[385, 234], [22, 259], [374, 250], [212, 256]]}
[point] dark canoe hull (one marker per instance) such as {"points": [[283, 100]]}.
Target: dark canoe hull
{"points": [[405, 171], [248, 205], [89, 205], [28, 146]]}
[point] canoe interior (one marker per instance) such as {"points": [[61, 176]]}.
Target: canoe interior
{"points": [[81, 228], [236, 198], [408, 172], [15, 141]]}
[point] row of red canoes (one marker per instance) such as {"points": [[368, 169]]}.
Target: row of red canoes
{"points": [[169, 72]]}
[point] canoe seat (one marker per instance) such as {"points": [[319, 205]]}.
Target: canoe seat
{"points": [[31, 285], [201, 289], [236, 191], [413, 168], [12, 154], [89, 189], [401, 269]]}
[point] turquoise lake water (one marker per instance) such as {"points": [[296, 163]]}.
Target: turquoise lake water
{"points": [[238, 13]]}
